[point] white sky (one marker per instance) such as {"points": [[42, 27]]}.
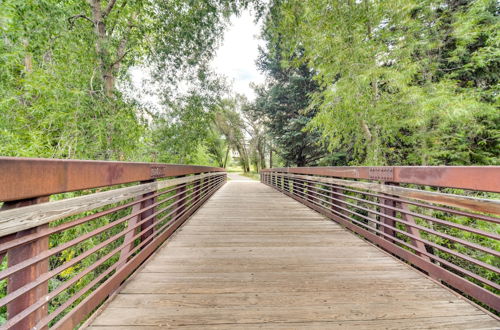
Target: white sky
{"points": [[237, 55], [235, 59]]}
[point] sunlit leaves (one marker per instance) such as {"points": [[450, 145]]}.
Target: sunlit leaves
{"points": [[395, 83]]}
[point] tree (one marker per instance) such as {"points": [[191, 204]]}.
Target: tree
{"points": [[217, 147], [255, 128], [61, 60], [229, 122], [50, 104], [381, 93], [284, 102]]}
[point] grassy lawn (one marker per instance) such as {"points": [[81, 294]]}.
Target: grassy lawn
{"points": [[251, 175], [239, 170], [234, 169]]}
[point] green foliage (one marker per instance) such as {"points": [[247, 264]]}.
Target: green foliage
{"points": [[216, 147], [229, 123], [60, 65], [179, 135], [50, 102], [283, 101], [393, 88], [60, 61]]}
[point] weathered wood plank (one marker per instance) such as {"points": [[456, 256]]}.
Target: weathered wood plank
{"points": [[268, 299], [466, 202], [15, 220], [257, 314], [477, 322], [254, 258]]}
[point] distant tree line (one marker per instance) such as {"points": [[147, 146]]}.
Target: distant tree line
{"points": [[348, 82]]}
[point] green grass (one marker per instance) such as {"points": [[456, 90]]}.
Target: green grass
{"points": [[234, 169], [251, 175]]}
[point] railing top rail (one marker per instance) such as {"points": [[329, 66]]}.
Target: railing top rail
{"points": [[22, 218], [23, 178], [452, 236], [484, 178]]}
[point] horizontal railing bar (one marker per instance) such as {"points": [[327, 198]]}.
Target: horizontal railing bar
{"points": [[65, 226], [425, 253], [33, 177], [46, 254], [86, 306], [452, 279], [485, 178], [466, 202], [457, 254], [428, 206], [418, 215], [62, 287], [372, 220], [22, 218], [416, 203], [79, 258]]}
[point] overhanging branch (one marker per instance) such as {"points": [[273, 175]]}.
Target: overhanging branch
{"points": [[71, 20], [109, 8]]}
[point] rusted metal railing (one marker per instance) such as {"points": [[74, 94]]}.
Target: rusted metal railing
{"points": [[72, 231], [442, 220]]}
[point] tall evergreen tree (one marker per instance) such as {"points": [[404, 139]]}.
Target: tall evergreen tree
{"points": [[284, 101]]}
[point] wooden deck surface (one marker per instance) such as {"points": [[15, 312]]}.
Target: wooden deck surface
{"points": [[253, 258]]}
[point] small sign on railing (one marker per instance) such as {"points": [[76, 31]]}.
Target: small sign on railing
{"points": [[381, 173], [158, 172]]}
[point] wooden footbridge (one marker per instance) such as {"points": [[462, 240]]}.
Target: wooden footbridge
{"points": [[147, 246]]}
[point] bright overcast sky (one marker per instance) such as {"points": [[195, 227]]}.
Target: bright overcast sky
{"points": [[237, 55], [235, 59]]}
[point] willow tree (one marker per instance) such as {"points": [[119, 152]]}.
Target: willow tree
{"points": [[377, 65]]}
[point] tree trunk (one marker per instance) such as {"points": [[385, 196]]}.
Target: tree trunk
{"points": [[108, 70], [100, 32], [245, 163], [227, 154], [262, 157], [270, 157]]}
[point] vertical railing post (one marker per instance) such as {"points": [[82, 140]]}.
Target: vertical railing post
{"points": [[180, 202], [310, 191], [390, 223], [419, 245], [197, 186], [128, 243], [286, 183], [337, 193], [300, 188], [147, 213], [327, 198], [29, 274]]}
